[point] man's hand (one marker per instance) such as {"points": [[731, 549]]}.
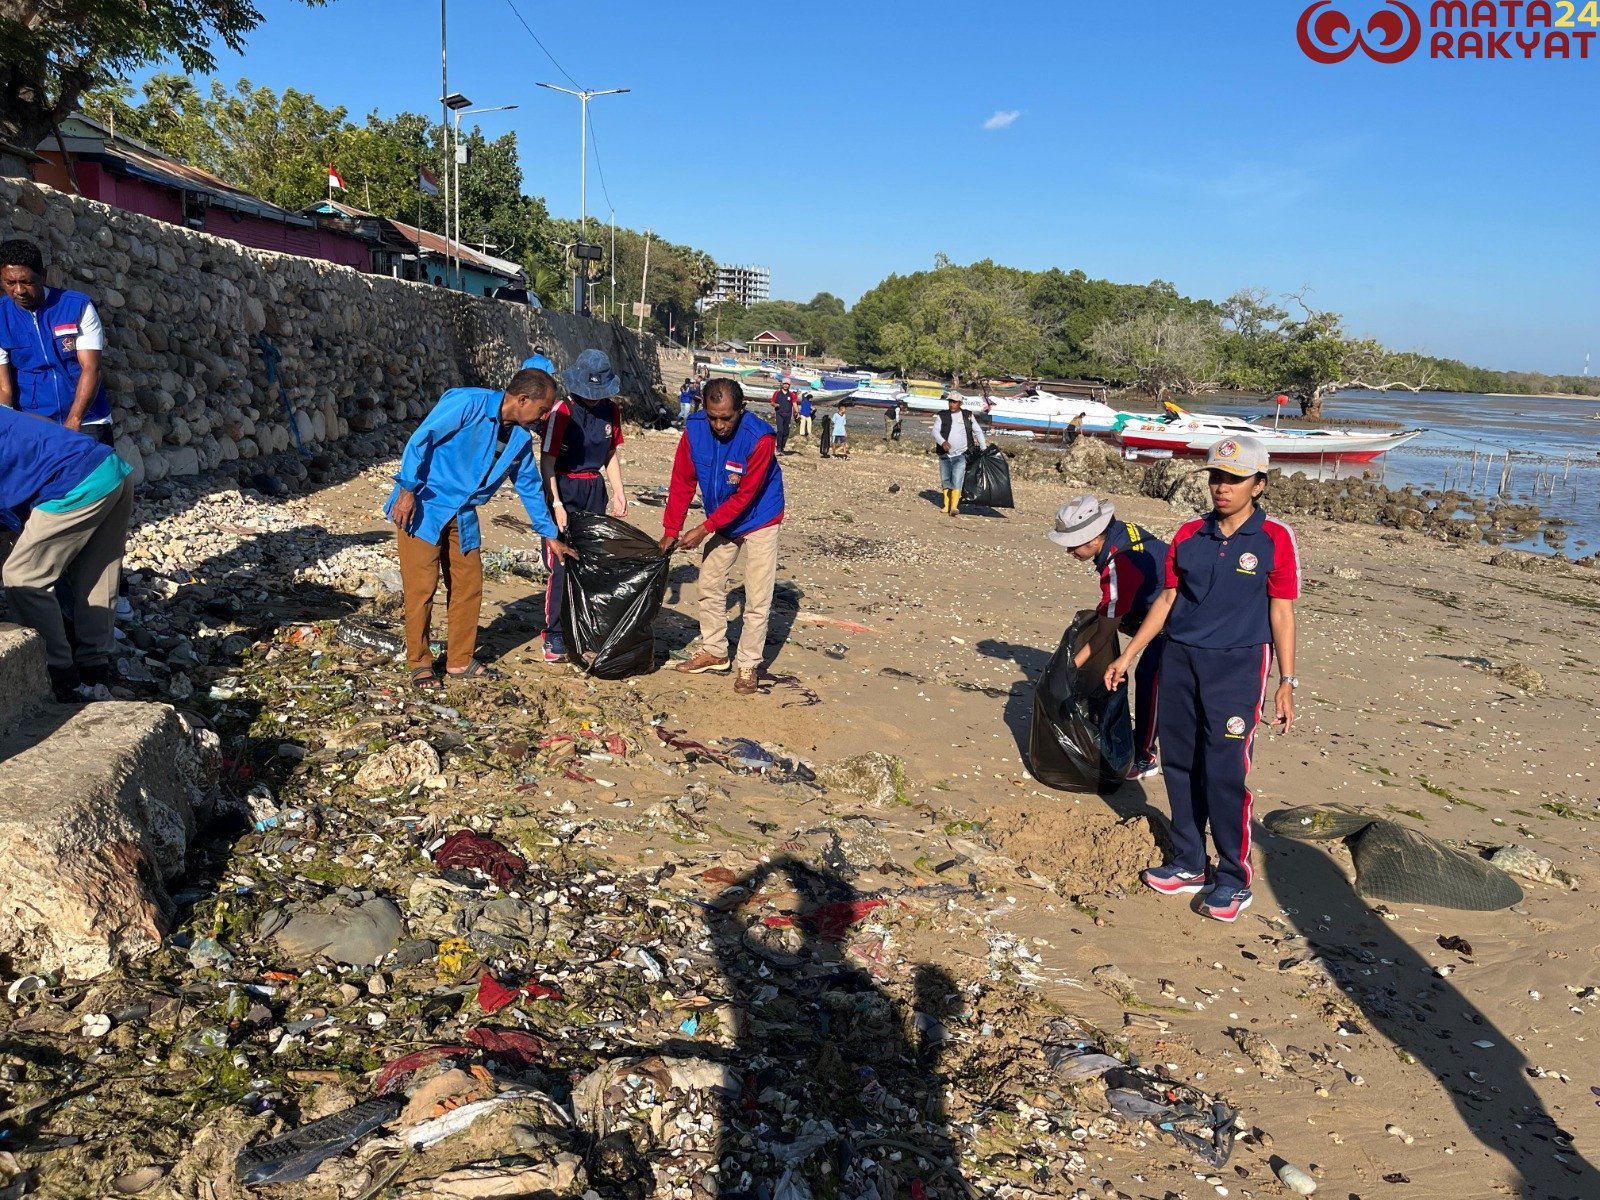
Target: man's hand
{"points": [[73, 422], [618, 506], [667, 544], [404, 511], [1283, 704], [558, 513], [945, 446], [560, 551], [694, 537], [1117, 672]]}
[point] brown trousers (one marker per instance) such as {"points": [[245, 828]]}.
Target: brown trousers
{"points": [[421, 565]]}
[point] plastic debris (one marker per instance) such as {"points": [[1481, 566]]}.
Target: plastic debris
{"points": [[298, 1153]]}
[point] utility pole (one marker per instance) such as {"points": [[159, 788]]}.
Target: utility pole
{"points": [[581, 276], [644, 279], [611, 309], [444, 135]]}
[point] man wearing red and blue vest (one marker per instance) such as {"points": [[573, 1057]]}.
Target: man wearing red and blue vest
{"points": [[578, 459], [1131, 564], [732, 456]]}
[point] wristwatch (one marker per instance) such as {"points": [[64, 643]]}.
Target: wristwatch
{"points": [[1292, 680]]}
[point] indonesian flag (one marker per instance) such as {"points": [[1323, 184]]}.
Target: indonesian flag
{"points": [[427, 182], [335, 180]]}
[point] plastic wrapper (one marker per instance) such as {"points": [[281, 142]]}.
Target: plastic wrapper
{"points": [[988, 479], [1081, 737], [613, 593]]}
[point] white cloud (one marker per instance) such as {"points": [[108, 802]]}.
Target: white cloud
{"points": [[1003, 118]]}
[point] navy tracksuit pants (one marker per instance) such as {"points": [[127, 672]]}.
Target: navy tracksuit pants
{"points": [[578, 495], [1209, 704], [1146, 686]]}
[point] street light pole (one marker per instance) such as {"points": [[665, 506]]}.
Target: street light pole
{"points": [[584, 96], [456, 239], [453, 102], [444, 137], [611, 309]]}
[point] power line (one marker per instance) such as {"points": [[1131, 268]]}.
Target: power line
{"points": [[542, 46], [601, 171]]}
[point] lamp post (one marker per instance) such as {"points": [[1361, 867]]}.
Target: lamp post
{"points": [[454, 102], [465, 112], [584, 97]]}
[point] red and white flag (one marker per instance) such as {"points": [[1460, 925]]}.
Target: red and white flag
{"points": [[427, 182], [335, 180]]}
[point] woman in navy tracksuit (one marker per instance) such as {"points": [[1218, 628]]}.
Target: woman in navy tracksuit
{"points": [[578, 459], [1231, 581]]}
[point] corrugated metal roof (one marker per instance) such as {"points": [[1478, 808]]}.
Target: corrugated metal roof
{"points": [[431, 243]]}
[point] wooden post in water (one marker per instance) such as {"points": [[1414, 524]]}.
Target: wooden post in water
{"points": [[1567, 470], [1505, 475], [1473, 476]]}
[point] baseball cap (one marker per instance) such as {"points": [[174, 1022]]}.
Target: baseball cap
{"points": [[1080, 520], [1241, 456]]}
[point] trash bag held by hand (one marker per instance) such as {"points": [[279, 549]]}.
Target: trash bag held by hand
{"points": [[612, 593], [1081, 737], [988, 479]]}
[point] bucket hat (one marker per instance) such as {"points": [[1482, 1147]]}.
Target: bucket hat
{"points": [[1080, 520], [591, 376]]}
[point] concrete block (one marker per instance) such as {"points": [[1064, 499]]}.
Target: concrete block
{"points": [[24, 683], [96, 812]]}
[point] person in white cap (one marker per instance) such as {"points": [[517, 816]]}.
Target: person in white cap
{"points": [[954, 433], [1130, 560], [1232, 578]]}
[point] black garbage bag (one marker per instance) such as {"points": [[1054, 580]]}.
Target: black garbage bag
{"points": [[613, 593], [1081, 738], [988, 480]]}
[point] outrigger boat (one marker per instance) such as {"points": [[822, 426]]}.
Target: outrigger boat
{"points": [[1183, 432]]}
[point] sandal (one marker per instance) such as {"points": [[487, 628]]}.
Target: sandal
{"points": [[425, 679], [477, 671]]}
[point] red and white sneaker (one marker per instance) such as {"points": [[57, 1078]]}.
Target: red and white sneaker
{"points": [[1170, 881], [1226, 903], [1144, 770]]}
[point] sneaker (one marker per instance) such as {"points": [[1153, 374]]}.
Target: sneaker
{"points": [[1226, 903], [702, 662], [554, 656], [1144, 770], [746, 681], [1170, 881]]}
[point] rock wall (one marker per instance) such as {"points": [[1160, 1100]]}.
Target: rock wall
{"points": [[214, 348]]}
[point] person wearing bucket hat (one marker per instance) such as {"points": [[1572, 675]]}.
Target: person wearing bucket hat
{"points": [[1226, 607], [579, 460], [1129, 559]]}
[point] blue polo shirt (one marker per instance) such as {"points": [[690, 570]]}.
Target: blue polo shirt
{"points": [[1131, 566], [542, 361], [455, 462], [1224, 583]]}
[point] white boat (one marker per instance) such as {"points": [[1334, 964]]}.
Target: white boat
{"points": [[1043, 412], [1195, 433]]}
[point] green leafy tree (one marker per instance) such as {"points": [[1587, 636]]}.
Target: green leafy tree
{"points": [[52, 51], [1158, 351]]}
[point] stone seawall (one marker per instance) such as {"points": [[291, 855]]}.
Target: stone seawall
{"points": [[214, 348]]}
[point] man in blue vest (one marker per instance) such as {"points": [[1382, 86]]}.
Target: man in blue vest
{"points": [[70, 498], [578, 461], [472, 441], [732, 456]]}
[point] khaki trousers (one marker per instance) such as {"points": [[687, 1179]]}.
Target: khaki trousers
{"points": [[421, 565], [83, 548], [760, 553]]}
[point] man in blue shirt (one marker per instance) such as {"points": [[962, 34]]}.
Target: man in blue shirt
{"points": [[471, 443], [540, 360], [70, 498]]}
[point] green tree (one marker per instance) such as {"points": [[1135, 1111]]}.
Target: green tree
{"points": [[1159, 351], [52, 51]]}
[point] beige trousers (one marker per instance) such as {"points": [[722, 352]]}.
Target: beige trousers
{"points": [[83, 547], [760, 553]]}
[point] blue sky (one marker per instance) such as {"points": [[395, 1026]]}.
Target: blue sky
{"points": [[1438, 205]]}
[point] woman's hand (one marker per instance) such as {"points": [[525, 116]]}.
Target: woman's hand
{"points": [[618, 506], [558, 514], [1283, 705], [1117, 672]]}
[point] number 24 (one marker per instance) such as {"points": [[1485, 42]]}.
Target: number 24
{"points": [[1590, 15]]}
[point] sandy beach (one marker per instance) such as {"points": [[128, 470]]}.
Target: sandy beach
{"points": [[1450, 695], [1479, 1060]]}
